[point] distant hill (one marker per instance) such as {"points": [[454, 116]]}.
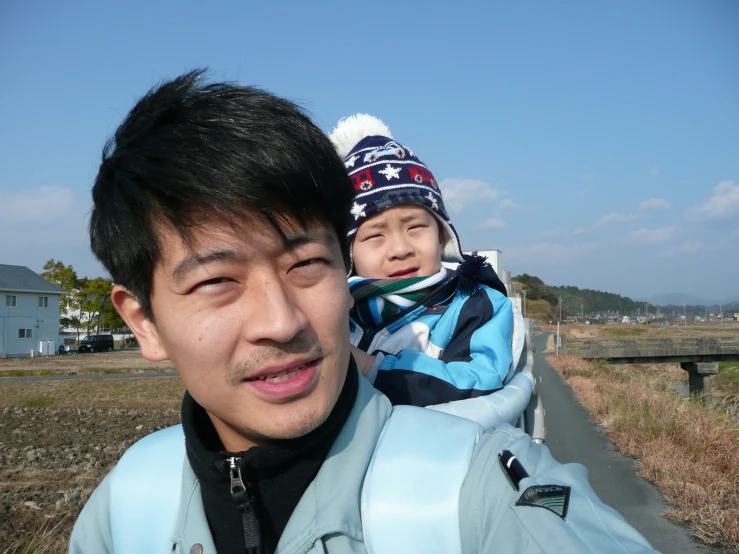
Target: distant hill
{"points": [[599, 301], [593, 300], [574, 297]]}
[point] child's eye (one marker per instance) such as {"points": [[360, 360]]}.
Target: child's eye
{"points": [[376, 236]]}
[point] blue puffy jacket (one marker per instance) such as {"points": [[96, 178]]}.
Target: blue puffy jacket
{"points": [[453, 345]]}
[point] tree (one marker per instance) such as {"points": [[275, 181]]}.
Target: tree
{"points": [[65, 277], [535, 288], [86, 303], [97, 306], [540, 311]]}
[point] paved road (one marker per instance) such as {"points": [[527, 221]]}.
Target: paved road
{"points": [[572, 437]]}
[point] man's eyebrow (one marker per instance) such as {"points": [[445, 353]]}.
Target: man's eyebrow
{"points": [[310, 236], [199, 259]]}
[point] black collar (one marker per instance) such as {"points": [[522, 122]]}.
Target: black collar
{"points": [[276, 473]]}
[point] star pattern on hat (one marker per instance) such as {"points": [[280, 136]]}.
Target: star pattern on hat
{"points": [[434, 204], [390, 172], [358, 210], [350, 161]]}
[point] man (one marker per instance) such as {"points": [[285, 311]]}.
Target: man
{"points": [[221, 212]]}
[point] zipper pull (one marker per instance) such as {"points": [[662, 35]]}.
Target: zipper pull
{"points": [[234, 472], [240, 496]]}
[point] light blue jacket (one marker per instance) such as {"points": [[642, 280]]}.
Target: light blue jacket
{"points": [[327, 520], [454, 349]]}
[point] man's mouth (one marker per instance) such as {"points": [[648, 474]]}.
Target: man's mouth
{"points": [[290, 380], [284, 375], [407, 272]]}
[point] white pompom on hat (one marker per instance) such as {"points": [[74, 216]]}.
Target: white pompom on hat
{"points": [[350, 130]]}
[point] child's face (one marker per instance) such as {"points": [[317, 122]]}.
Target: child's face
{"points": [[404, 241]]}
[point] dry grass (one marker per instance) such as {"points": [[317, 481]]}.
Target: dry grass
{"points": [[576, 330], [77, 364], [689, 451], [550, 345], [49, 536], [148, 392]]}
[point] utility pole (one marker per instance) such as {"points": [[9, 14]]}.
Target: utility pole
{"points": [[721, 313], [559, 307], [524, 303], [685, 315], [582, 314]]}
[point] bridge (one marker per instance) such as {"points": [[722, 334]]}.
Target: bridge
{"points": [[698, 356]]}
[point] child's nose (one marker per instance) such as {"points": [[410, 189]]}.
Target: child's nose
{"points": [[400, 248]]}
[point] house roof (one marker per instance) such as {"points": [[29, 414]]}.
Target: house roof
{"points": [[18, 278]]}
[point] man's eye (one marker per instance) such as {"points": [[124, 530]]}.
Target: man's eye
{"points": [[311, 261], [215, 281]]}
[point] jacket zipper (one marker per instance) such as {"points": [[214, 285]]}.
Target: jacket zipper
{"points": [[243, 502]]}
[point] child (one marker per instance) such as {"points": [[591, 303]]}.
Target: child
{"points": [[422, 334]]}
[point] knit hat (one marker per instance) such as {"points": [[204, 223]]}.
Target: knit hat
{"points": [[385, 174]]}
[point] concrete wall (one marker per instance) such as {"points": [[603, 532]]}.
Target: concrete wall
{"points": [[26, 314]]}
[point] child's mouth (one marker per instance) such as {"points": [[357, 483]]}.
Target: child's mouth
{"points": [[408, 272]]}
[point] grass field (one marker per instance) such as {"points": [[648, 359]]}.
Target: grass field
{"points": [[577, 330]]}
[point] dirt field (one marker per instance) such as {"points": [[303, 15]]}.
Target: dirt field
{"points": [[59, 438]]}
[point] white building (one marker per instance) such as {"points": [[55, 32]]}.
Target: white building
{"points": [[29, 313], [495, 259]]}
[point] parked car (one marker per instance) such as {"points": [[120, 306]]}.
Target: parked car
{"points": [[97, 343]]}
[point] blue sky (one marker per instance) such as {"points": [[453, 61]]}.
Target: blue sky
{"points": [[595, 144]]}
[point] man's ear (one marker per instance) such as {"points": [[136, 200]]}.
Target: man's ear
{"points": [[141, 326]]}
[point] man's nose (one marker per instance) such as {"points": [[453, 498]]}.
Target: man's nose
{"points": [[273, 313]]}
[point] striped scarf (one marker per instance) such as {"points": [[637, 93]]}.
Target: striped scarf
{"points": [[378, 300]]}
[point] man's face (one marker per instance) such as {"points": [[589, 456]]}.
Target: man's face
{"points": [[256, 325], [404, 241]]}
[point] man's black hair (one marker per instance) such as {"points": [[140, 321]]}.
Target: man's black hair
{"points": [[189, 149]]}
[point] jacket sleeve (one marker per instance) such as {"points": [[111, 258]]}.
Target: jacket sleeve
{"points": [[478, 332], [91, 533], [553, 510]]}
